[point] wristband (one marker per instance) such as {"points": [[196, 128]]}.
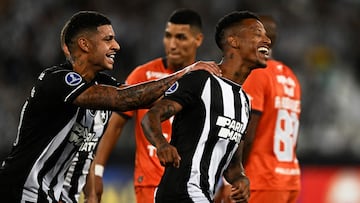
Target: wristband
{"points": [[99, 170]]}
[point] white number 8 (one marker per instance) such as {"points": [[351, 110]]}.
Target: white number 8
{"points": [[286, 132]]}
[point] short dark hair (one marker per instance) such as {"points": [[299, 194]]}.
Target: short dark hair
{"points": [[62, 33], [186, 16], [228, 21], [83, 21]]}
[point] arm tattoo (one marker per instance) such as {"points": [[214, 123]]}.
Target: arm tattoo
{"points": [[125, 99], [151, 123], [167, 112]]}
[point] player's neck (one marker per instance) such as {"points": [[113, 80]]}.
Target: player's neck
{"points": [[175, 67], [238, 77], [87, 72], [234, 70]]}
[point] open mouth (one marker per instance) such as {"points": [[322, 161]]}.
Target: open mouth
{"points": [[264, 50], [111, 56]]}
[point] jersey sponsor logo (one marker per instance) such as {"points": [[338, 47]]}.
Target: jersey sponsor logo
{"points": [[73, 79], [81, 137], [86, 133], [230, 128], [172, 89], [89, 143], [288, 84], [78, 134], [154, 74]]}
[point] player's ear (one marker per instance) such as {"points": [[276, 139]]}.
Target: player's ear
{"points": [[199, 39], [83, 43], [232, 41]]}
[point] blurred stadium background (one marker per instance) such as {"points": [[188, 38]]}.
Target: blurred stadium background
{"points": [[319, 39]]}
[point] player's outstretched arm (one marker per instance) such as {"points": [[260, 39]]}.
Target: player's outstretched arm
{"points": [[136, 96]]}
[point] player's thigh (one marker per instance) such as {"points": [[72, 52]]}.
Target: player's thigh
{"points": [[144, 194]]}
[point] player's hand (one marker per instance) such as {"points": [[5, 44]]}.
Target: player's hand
{"points": [[240, 190], [168, 155], [209, 66], [99, 187], [91, 199]]}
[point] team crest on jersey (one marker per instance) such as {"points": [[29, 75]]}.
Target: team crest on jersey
{"points": [[101, 116], [73, 79], [172, 89]]}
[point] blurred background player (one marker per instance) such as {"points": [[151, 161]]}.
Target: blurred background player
{"points": [[182, 38], [270, 144]]}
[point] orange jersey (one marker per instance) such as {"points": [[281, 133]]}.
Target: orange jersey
{"points": [[148, 170], [272, 164]]}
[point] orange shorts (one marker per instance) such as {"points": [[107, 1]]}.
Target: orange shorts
{"points": [[145, 194], [280, 196]]}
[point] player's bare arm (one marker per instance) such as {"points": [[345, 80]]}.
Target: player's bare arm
{"points": [[136, 96], [105, 147], [250, 135], [235, 175], [151, 125]]}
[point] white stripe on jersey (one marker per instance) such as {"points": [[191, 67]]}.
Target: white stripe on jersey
{"points": [[31, 186], [194, 180], [81, 180], [220, 147], [244, 114], [98, 129], [228, 98]]}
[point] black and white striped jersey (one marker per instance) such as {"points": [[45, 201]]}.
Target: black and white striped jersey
{"points": [[75, 177], [51, 132], [206, 134]]}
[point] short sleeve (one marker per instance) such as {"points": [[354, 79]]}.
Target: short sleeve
{"points": [[61, 85], [188, 88]]}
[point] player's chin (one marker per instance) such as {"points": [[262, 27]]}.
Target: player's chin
{"points": [[262, 63], [108, 66], [258, 65], [109, 62], [175, 59], [262, 60]]}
